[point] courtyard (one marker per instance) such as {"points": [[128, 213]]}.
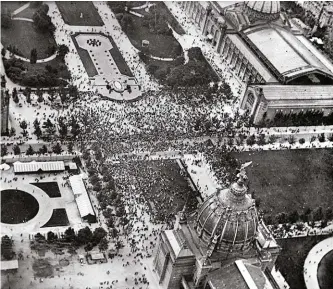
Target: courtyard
{"points": [[46, 203]]}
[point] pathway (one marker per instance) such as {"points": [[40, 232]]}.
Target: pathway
{"points": [[312, 262], [8, 56], [23, 19], [17, 11]]}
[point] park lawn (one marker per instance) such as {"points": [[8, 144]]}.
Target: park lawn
{"points": [[292, 257], [27, 13], [11, 6], [290, 180], [160, 45], [50, 188], [71, 12], [39, 68], [59, 218], [170, 18], [23, 35]]}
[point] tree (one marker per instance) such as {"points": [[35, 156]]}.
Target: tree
{"points": [[30, 151], [62, 50], [301, 140], [63, 130], [33, 56], [38, 132], [321, 137], [291, 140], [27, 93], [70, 147], [126, 23], [51, 236], [261, 140], [119, 244], [12, 131], [7, 248], [4, 150], [251, 140], [15, 96], [3, 52], [318, 214], [99, 234], [69, 235], [43, 150], [40, 95], [281, 218], [293, 217], [84, 236], [103, 245], [42, 21], [6, 20], [16, 149], [23, 126], [272, 139], [57, 149]]}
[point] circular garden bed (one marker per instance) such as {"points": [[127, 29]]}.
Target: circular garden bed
{"points": [[17, 206]]}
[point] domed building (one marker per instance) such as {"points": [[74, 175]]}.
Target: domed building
{"points": [[278, 69], [229, 218], [222, 245]]}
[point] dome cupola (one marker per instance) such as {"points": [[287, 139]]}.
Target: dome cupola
{"points": [[228, 219], [263, 10]]}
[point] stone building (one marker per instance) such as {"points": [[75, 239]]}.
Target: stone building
{"points": [[224, 244], [266, 51], [322, 10]]}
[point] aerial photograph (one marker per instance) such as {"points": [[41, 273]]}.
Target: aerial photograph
{"points": [[166, 145]]}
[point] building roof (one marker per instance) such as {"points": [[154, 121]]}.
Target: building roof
{"points": [[289, 54], [34, 166], [267, 7], [9, 265], [229, 214], [178, 243], [298, 92], [82, 199], [97, 256], [252, 58]]}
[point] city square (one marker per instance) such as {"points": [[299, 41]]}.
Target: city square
{"points": [[172, 145]]}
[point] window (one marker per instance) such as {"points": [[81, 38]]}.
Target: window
{"points": [[250, 99]]}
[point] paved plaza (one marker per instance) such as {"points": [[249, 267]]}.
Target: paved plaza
{"points": [[312, 262]]}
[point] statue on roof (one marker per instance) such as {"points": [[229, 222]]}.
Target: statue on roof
{"points": [[241, 176]]}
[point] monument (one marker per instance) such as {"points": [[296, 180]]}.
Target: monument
{"points": [[223, 240]]}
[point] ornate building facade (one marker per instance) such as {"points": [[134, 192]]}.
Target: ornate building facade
{"points": [[224, 244], [266, 52]]}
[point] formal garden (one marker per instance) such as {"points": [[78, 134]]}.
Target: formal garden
{"points": [[26, 40], [50, 188], [79, 13], [59, 218], [14, 201], [150, 30]]}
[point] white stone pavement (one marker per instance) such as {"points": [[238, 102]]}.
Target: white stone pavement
{"points": [[312, 261]]}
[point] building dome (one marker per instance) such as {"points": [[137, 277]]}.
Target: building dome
{"points": [[263, 10], [228, 219]]}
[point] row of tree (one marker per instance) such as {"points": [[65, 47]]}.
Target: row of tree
{"points": [[308, 215], [84, 237]]}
